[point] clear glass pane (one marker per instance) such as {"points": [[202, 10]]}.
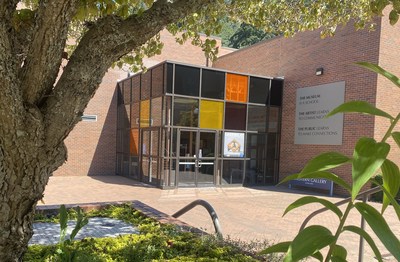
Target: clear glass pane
{"points": [[157, 81], [145, 169], [211, 114], [187, 172], [235, 116], [145, 113], [236, 88], [205, 176], [167, 110], [257, 118], [258, 90], [186, 112], [232, 172], [146, 143], [187, 80], [156, 111], [212, 84], [134, 171]]}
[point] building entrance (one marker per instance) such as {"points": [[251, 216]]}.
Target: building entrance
{"points": [[197, 157]]}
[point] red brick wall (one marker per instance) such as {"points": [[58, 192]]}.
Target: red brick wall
{"points": [[388, 95], [92, 145], [297, 59]]}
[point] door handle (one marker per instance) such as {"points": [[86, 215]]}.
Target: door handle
{"points": [[199, 163]]}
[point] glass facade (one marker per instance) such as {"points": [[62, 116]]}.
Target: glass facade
{"points": [[182, 125]]}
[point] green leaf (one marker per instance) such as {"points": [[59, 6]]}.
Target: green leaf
{"points": [[321, 174], [310, 199], [63, 222], [395, 205], [368, 157], [380, 227], [367, 238], [80, 223], [339, 253], [393, 17], [377, 69], [396, 137], [309, 241], [318, 255], [323, 162], [277, 248], [359, 107], [391, 181]]}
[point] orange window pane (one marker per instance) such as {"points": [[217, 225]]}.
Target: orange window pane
{"points": [[145, 113], [236, 88], [211, 114], [134, 142]]}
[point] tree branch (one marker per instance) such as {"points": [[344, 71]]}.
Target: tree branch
{"points": [[43, 60], [107, 40], [7, 8]]}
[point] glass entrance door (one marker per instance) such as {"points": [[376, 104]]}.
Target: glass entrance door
{"points": [[196, 158]]}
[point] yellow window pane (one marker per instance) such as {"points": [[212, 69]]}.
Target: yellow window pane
{"points": [[211, 114], [134, 142], [145, 113], [236, 88]]}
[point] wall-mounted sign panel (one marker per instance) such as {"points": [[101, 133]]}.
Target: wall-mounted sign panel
{"points": [[233, 144], [312, 104]]}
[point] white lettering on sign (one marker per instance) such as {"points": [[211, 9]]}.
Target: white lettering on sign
{"points": [[312, 105]]}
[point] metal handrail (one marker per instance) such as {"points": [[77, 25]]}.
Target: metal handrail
{"points": [[364, 196], [208, 207]]}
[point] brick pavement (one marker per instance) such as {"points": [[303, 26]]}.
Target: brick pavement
{"points": [[245, 213]]}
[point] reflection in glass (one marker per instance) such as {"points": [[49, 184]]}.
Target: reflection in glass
{"points": [[187, 145], [170, 74], [257, 118], [235, 116], [134, 142], [276, 92], [258, 92], [136, 88], [273, 121], [187, 80], [156, 111], [212, 84], [186, 112], [236, 88], [205, 175], [187, 172], [256, 151], [145, 168], [232, 172], [207, 144], [145, 113], [134, 171], [272, 152], [157, 81], [154, 143], [211, 114], [145, 86], [146, 143], [135, 108]]}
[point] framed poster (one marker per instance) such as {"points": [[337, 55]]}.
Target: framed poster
{"points": [[233, 144]]}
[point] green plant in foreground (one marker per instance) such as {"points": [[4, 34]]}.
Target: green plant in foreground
{"points": [[368, 158], [65, 252]]}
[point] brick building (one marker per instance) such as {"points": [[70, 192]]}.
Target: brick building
{"points": [[91, 145], [298, 58]]}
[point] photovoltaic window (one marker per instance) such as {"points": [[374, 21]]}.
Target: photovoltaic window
{"points": [[212, 84], [258, 92], [187, 80]]}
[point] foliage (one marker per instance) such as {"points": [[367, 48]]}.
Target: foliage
{"points": [[156, 242], [368, 158], [378, 197], [247, 35]]}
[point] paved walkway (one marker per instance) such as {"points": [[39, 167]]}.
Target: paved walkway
{"points": [[245, 213]]}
